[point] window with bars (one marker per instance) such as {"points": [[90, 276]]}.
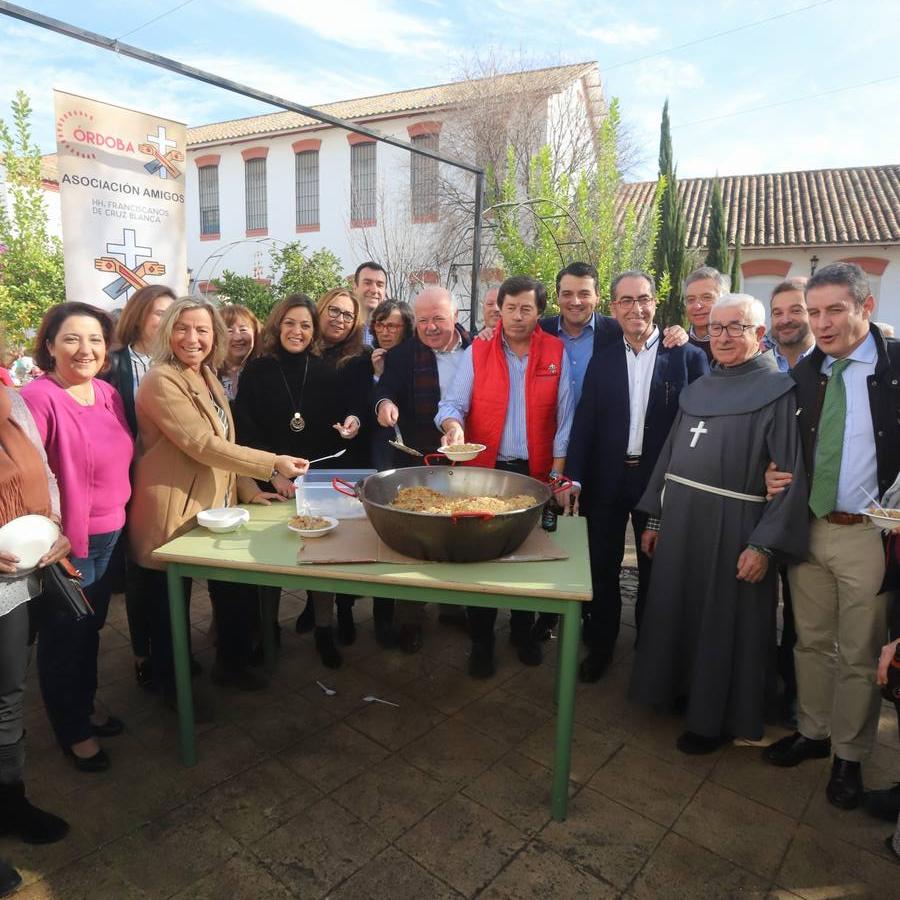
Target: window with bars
{"points": [[423, 179], [255, 191], [363, 183], [209, 199], [307, 185]]}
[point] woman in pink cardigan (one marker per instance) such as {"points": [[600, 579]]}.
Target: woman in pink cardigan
{"points": [[89, 447]]}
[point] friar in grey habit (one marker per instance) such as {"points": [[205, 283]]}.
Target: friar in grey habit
{"points": [[715, 540]]}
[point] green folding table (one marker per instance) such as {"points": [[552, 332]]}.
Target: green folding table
{"points": [[264, 552]]}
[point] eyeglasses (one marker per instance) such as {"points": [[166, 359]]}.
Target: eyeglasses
{"points": [[644, 302], [701, 300], [388, 326], [335, 313], [734, 329]]}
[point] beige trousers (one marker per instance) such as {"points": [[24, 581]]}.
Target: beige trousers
{"points": [[841, 626]]}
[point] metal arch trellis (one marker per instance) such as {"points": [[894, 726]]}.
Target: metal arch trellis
{"points": [[527, 205], [217, 259]]}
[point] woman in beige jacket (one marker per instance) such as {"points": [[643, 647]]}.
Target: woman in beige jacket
{"points": [[187, 461]]}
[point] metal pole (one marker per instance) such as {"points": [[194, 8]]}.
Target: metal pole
{"points": [[474, 307], [164, 62]]}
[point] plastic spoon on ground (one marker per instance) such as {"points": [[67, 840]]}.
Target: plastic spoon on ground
{"points": [[371, 699]]}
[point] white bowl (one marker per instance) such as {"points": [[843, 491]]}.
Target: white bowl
{"points": [[462, 455], [316, 532], [223, 519], [29, 538], [882, 521]]}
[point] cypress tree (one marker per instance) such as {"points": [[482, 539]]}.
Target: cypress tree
{"points": [[668, 257], [716, 235], [736, 265]]}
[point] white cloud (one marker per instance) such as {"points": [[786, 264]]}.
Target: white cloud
{"points": [[371, 25], [624, 34], [308, 85], [663, 75]]}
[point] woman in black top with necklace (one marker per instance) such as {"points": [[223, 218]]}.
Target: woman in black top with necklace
{"points": [[290, 398]]}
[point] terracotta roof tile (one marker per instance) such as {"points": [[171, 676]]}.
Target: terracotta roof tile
{"points": [[824, 206], [384, 104]]}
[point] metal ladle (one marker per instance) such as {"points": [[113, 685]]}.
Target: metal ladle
{"points": [[399, 445]]}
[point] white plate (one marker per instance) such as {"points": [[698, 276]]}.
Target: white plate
{"points": [[316, 532], [223, 519], [883, 521], [29, 538], [462, 455]]}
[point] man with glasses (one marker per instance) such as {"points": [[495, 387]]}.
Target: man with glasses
{"points": [[369, 286], [701, 290], [628, 403], [707, 625], [417, 374]]}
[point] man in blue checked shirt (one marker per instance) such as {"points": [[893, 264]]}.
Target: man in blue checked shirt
{"points": [[513, 394]]}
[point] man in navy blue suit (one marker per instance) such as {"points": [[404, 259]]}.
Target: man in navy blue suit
{"points": [[628, 403]]}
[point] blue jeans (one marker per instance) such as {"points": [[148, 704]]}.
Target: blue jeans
{"points": [[67, 650]]}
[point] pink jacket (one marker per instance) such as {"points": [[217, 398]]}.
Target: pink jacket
{"points": [[73, 456]]}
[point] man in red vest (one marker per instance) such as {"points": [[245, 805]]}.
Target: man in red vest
{"points": [[514, 395]]}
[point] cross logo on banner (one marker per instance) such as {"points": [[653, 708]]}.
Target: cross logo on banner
{"points": [[129, 274], [164, 159]]}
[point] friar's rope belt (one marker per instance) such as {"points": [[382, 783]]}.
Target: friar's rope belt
{"points": [[710, 489]]}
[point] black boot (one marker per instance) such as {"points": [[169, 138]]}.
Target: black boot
{"points": [[10, 879], [18, 818], [346, 627], [306, 621], [481, 660], [330, 655]]}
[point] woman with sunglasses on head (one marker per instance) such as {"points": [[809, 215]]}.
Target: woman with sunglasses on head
{"points": [[292, 401], [340, 345]]}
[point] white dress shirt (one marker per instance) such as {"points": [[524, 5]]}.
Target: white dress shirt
{"points": [[859, 468], [640, 374]]}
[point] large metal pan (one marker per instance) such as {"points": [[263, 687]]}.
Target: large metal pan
{"points": [[464, 537]]}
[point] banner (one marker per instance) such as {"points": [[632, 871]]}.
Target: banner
{"points": [[121, 186]]}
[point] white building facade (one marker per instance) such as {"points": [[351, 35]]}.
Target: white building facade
{"points": [[257, 183]]}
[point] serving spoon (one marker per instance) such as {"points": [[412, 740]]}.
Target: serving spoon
{"points": [[399, 445]]}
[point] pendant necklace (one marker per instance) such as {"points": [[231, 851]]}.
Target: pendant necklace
{"points": [[297, 423]]}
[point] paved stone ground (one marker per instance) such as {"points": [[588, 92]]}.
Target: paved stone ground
{"points": [[302, 795]]}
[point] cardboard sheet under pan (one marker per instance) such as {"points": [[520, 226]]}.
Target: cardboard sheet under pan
{"points": [[355, 541]]}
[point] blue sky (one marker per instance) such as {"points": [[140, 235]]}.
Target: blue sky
{"points": [[315, 52]]}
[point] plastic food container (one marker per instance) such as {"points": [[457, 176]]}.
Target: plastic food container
{"points": [[29, 538], [223, 519], [316, 497]]}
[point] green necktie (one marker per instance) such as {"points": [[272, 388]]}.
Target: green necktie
{"points": [[823, 496]]}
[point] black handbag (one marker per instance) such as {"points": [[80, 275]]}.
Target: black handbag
{"points": [[62, 591]]}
